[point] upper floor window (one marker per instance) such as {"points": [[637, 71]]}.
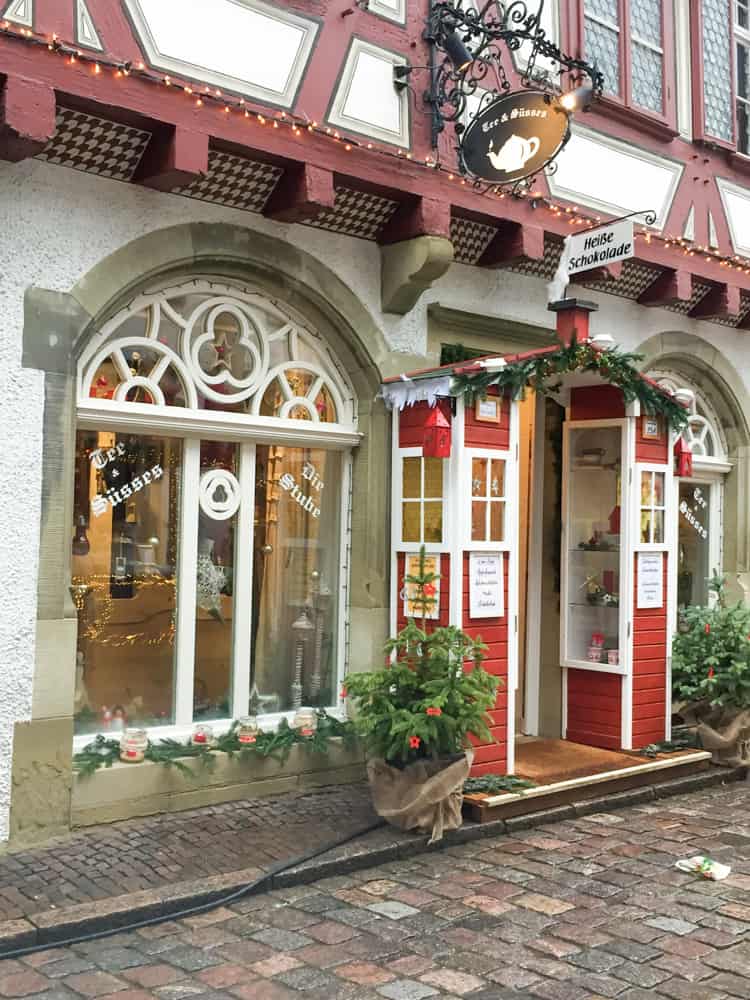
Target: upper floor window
{"points": [[630, 41], [742, 41]]}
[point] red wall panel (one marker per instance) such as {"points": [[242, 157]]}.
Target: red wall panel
{"points": [[650, 644], [594, 708], [479, 434], [596, 402], [491, 758], [651, 449]]}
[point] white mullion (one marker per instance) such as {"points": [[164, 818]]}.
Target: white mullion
{"points": [[242, 601], [343, 619], [187, 566], [458, 470], [487, 498], [601, 21]]}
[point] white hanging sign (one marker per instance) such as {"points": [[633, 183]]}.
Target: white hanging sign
{"points": [[600, 247], [486, 591], [650, 580]]}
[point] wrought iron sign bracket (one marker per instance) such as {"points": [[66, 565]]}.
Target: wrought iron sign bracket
{"points": [[471, 62]]}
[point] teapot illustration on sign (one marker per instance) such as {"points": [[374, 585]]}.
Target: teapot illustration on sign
{"points": [[514, 153]]}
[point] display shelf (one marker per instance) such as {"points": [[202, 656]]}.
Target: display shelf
{"points": [[592, 547]]}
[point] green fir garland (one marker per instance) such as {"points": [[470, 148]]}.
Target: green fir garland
{"points": [[543, 373], [104, 752], [490, 784]]}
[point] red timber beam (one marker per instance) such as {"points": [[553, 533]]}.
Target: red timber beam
{"points": [[514, 243], [303, 193], [23, 132], [173, 158], [721, 302], [418, 216], [27, 117], [670, 288]]}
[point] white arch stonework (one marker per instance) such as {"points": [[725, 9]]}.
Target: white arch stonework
{"points": [[276, 343]]}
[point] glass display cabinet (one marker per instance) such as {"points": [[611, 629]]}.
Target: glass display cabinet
{"points": [[594, 546]]}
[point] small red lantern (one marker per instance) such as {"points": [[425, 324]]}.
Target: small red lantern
{"points": [[683, 458], [437, 435]]}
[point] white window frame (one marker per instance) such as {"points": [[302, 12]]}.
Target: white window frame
{"points": [[245, 430], [399, 543], [741, 37], [713, 482], [624, 610], [651, 468], [508, 499]]}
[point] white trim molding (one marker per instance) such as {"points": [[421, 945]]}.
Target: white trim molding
{"points": [[736, 202], [86, 33], [19, 12], [614, 176], [248, 47], [391, 10], [366, 101]]}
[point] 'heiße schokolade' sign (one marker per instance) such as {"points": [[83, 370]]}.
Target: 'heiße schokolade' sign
{"points": [[600, 247]]}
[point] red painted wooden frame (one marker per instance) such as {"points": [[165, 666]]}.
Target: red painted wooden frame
{"points": [[622, 104]]}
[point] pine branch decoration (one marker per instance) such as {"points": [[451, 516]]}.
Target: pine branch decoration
{"points": [[544, 372]]}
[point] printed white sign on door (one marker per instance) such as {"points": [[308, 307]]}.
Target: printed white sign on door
{"points": [[486, 591], [650, 580]]}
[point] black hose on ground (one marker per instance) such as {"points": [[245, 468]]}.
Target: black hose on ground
{"points": [[258, 885]]}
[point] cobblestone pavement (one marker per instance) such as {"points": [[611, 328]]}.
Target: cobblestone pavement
{"points": [[157, 851], [579, 910]]}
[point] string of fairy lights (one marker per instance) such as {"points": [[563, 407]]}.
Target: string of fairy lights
{"points": [[300, 126]]}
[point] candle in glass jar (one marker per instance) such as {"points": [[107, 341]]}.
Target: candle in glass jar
{"points": [[247, 730], [202, 735], [305, 721], [133, 744]]}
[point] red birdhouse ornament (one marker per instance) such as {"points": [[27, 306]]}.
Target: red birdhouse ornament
{"points": [[683, 458], [437, 435]]}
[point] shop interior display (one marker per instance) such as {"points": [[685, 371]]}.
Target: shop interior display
{"points": [[125, 545], [593, 544]]}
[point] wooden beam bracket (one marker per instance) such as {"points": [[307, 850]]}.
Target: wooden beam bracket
{"points": [[302, 194], [670, 288], [514, 243], [27, 118], [721, 302], [174, 157], [608, 272], [417, 217]]}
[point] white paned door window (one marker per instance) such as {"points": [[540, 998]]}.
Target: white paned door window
{"points": [[210, 504]]}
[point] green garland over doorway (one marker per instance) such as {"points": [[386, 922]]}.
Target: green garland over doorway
{"points": [[542, 371]]}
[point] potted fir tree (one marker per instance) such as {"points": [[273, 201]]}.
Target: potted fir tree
{"points": [[711, 675], [416, 714]]}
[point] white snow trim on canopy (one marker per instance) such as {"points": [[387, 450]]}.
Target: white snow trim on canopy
{"points": [[407, 392]]}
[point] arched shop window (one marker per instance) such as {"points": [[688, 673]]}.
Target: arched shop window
{"points": [[700, 496], [211, 511]]}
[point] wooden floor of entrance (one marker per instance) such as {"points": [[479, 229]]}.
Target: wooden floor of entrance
{"points": [[563, 772], [545, 761]]}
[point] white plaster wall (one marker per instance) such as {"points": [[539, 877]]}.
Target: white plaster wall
{"points": [[56, 224]]}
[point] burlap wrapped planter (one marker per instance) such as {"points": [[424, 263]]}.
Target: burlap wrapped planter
{"points": [[724, 731], [425, 796]]}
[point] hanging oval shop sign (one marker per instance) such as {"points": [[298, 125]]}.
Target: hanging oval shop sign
{"points": [[514, 137]]}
